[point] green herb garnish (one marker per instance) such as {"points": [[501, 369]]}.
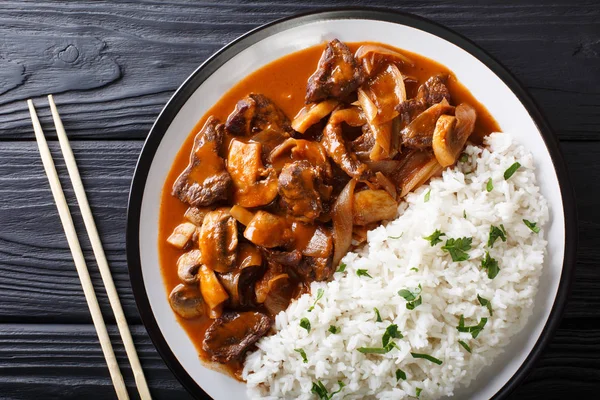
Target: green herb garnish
{"points": [[427, 195], [396, 237], [377, 315], [466, 346], [303, 354], [532, 226], [486, 303], [414, 269], [305, 323], [464, 214], [434, 238], [377, 350], [400, 375], [342, 268], [511, 170], [391, 332], [320, 293], [320, 390], [491, 265], [427, 357], [496, 233], [489, 186], [463, 157], [334, 329], [413, 298], [474, 330], [418, 392], [363, 272], [458, 248]]}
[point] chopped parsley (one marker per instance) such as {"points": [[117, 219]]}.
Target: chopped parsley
{"points": [[400, 375], [427, 357], [464, 214], [474, 330], [495, 234], [427, 195], [320, 390], [414, 269], [489, 185], [464, 345], [377, 315], [377, 350], [511, 170], [532, 226], [491, 265], [486, 303], [342, 268], [363, 272], [305, 323], [396, 237], [334, 329], [413, 298], [434, 238], [463, 157], [391, 332], [458, 248], [320, 293], [418, 392], [303, 354]]}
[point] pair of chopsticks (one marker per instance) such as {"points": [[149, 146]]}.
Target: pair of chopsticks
{"points": [[80, 264]]}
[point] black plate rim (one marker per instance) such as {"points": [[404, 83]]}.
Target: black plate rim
{"points": [[227, 52]]}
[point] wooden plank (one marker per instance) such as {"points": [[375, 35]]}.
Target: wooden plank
{"points": [[38, 281], [65, 362], [114, 66]]}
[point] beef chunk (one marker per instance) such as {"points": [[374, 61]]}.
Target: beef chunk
{"points": [[338, 74], [434, 90], [205, 180], [297, 186], [255, 113], [229, 336]]}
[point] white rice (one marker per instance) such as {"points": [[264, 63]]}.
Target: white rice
{"points": [[449, 290]]}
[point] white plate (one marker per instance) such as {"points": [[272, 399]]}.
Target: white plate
{"points": [[487, 80]]}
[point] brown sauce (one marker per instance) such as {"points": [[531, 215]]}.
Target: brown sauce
{"points": [[284, 81]]}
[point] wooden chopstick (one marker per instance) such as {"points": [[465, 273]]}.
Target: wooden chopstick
{"points": [[80, 265], [92, 231]]}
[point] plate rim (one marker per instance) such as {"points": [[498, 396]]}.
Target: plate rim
{"points": [[208, 67]]}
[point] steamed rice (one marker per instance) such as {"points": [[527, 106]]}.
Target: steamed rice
{"points": [[397, 257]]}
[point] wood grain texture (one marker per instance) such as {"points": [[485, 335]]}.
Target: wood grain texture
{"points": [[115, 64]]}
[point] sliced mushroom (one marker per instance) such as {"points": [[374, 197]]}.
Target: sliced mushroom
{"points": [[196, 214], [373, 206], [229, 337], [419, 133], [188, 265], [212, 291], [280, 292], [239, 284], [254, 185], [218, 240], [269, 230], [182, 235], [313, 113], [451, 134], [186, 301], [373, 56]]}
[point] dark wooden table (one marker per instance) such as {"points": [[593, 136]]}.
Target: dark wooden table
{"points": [[112, 66]]}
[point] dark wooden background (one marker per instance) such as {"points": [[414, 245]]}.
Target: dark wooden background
{"points": [[112, 66]]}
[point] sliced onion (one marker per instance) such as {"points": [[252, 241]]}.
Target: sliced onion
{"points": [[386, 184], [421, 176], [372, 55], [242, 215], [312, 113], [383, 141], [342, 222]]}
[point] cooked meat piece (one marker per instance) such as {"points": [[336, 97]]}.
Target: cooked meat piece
{"points": [[318, 256], [373, 206], [313, 113], [300, 149], [255, 113], [298, 183], [239, 284], [253, 184], [335, 145], [284, 258], [186, 301], [434, 90], [419, 133], [229, 336], [365, 142], [320, 268], [269, 230], [218, 240], [205, 180], [338, 74], [182, 235], [410, 109], [451, 134], [188, 265]]}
